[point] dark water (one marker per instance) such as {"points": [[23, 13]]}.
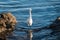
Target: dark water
{"points": [[43, 12]]}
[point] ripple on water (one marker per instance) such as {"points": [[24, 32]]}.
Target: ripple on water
{"points": [[43, 12]]}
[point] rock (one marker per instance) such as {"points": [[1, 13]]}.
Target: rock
{"points": [[2, 25], [55, 26], [9, 17], [7, 24], [2, 36], [8, 21]]}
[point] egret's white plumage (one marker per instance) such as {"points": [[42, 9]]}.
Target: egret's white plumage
{"points": [[30, 21]]}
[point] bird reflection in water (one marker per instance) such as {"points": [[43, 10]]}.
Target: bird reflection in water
{"points": [[29, 34]]}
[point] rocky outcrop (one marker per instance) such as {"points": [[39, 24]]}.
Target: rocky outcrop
{"points": [[7, 22], [55, 26]]}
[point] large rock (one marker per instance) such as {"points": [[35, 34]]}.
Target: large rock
{"points": [[8, 21], [56, 24], [7, 24]]}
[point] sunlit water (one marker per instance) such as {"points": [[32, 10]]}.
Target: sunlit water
{"points": [[43, 12]]}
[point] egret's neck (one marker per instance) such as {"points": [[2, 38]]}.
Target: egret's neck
{"points": [[30, 14]]}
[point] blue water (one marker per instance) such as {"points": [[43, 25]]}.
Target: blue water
{"points": [[43, 12]]}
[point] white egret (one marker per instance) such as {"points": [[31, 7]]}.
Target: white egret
{"points": [[30, 21]]}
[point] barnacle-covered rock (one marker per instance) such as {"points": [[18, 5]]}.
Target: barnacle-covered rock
{"points": [[8, 21]]}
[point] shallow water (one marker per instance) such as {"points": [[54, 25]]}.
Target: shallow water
{"points": [[43, 12]]}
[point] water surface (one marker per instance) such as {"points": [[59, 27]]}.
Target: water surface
{"points": [[43, 12]]}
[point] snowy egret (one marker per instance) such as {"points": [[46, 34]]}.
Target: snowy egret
{"points": [[30, 21]]}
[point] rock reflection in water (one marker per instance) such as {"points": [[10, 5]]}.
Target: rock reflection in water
{"points": [[2, 36]]}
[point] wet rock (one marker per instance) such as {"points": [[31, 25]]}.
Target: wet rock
{"points": [[55, 26], [7, 23], [10, 20], [2, 25]]}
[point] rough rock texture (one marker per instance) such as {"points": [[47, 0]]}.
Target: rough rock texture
{"points": [[7, 22], [2, 25], [55, 26]]}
